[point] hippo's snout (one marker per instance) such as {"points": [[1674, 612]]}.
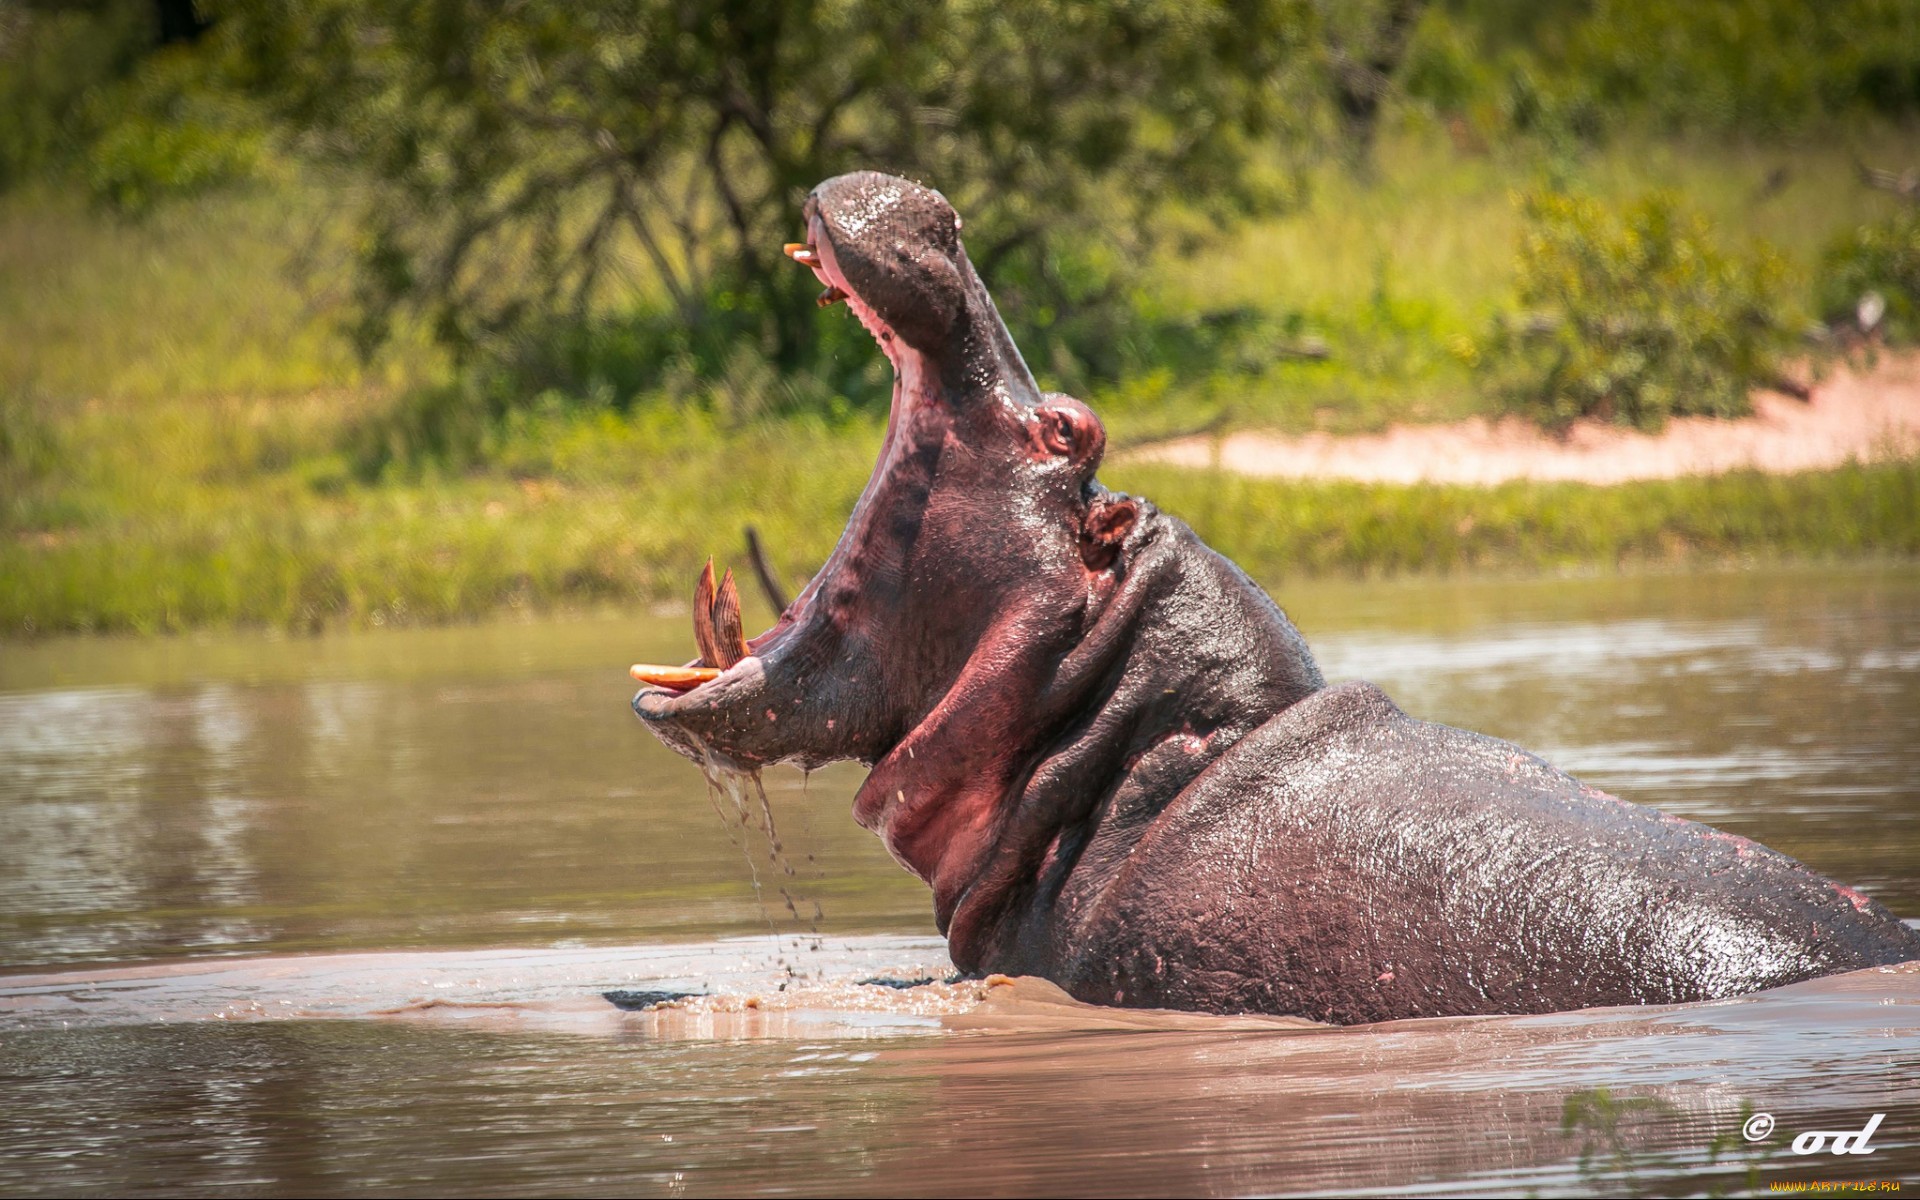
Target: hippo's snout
{"points": [[726, 721]]}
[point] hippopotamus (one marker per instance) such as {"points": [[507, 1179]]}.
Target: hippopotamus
{"points": [[1114, 760]]}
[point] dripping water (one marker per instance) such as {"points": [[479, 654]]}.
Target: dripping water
{"points": [[751, 813]]}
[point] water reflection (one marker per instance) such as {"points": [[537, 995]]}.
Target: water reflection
{"points": [[330, 813]]}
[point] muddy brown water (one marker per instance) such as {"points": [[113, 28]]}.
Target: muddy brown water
{"points": [[337, 915]]}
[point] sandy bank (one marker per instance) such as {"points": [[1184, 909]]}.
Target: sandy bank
{"points": [[1854, 414]]}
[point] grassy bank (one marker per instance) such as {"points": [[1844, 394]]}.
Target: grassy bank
{"points": [[1276, 529], [177, 418], [235, 512]]}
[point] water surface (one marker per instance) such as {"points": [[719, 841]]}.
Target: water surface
{"points": [[442, 791]]}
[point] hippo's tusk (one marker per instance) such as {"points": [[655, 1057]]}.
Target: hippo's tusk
{"points": [[717, 628], [704, 635], [832, 295], [677, 678], [729, 634], [802, 253]]}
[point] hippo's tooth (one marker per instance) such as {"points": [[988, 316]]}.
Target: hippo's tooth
{"points": [[677, 678], [802, 253], [704, 635], [729, 633], [832, 295]]}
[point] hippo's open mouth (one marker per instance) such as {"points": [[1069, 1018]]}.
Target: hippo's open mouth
{"points": [[718, 632], [814, 687]]}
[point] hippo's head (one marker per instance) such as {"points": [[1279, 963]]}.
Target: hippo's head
{"points": [[955, 630]]}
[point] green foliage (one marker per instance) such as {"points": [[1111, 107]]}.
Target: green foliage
{"points": [[89, 86], [172, 128], [1880, 256], [1605, 1126], [648, 353], [1733, 1146], [612, 363], [481, 417], [1637, 315], [52, 58], [1757, 65], [140, 161], [545, 160]]}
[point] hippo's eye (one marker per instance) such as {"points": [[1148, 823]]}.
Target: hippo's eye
{"points": [[1056, 432]]}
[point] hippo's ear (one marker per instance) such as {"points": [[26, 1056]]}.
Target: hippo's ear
{"points": [[1109, 519]]}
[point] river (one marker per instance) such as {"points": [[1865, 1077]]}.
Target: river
{"points": [[336, 914]]}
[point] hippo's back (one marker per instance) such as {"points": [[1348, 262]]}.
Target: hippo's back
{"points": [[1348, 863]]}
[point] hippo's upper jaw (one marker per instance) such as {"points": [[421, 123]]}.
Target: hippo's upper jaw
{"points": [[1115, 762]]}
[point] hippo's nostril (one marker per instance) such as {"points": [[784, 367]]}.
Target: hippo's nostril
{"points": [[1056, 431]]}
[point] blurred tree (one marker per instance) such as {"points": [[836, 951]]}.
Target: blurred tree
{"points": [[525, 155], [1365, 46], [121, 90], [52, 57], [1759, 67]]}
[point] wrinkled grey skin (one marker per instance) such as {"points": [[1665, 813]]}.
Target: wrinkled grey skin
{"points": [[1115, 762]]}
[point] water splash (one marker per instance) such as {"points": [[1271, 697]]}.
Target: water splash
{"points": [[748, 809]]}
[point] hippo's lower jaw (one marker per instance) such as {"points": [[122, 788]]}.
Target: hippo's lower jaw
{"points": [[666, 712], [1115, 762]]}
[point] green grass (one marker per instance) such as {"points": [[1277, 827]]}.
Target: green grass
{"points": [[1402, 274], [175, 410], [1279, 529], [202, 299], [229, 513], [232, 512]]}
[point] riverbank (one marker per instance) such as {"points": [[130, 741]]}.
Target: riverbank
{"points": [[1864, 413]]}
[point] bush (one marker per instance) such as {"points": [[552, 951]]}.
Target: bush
{"points": [[1882, 257], [140, 162], [100, 88], [172, 128], [1636, 315], [722, 366]]}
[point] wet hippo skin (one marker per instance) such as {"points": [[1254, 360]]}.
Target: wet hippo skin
{"points": [[1113, 759]]}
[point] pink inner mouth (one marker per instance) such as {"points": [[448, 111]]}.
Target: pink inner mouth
{"points": [[910, 380]]}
